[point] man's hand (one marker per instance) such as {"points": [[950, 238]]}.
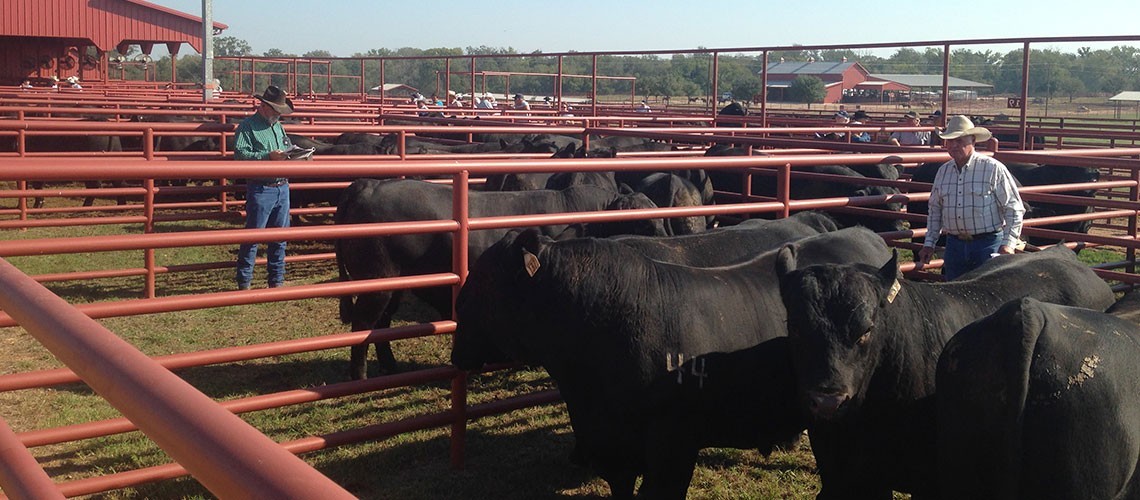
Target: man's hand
{"points": [[1005, 249], [924, 256], [277, 155]]}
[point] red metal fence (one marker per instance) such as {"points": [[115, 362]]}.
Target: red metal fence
{"points": [[66, 331]]}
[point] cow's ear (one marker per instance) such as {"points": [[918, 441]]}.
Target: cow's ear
{"points": [[580, 153], [786, 260], [890, 271], [530, 244], [502, 144], [624, 189], [567, 152]]}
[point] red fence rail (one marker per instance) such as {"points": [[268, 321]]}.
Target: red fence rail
{"points": [[86, 363]]}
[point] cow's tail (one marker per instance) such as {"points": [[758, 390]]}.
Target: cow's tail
{"points": [[343, 207], [346, 301]]}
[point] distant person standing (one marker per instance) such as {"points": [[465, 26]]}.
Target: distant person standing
{"points": [[974, 201], [857, 120], [910, 138], [261, 137], [643, 107]]}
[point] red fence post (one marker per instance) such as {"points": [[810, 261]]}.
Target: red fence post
{"points": [[459, 208], [783, 187]]}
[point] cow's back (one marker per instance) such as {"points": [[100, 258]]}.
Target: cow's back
{"points": [[1054, 275], [732, 244]]}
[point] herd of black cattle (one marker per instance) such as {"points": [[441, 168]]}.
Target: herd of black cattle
{"points": [[668, 336], [669, 340]]}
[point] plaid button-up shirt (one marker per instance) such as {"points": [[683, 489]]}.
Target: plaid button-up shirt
{"points": [[979, 198]]}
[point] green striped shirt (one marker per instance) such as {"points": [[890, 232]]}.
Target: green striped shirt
{"points": [[255, 138]]}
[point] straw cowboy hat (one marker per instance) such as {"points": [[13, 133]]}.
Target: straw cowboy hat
{"points": [[959, 126], [276, 99]]}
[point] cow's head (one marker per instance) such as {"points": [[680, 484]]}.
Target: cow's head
{"points": [[834, 314], [494, 308], [876, 224]]}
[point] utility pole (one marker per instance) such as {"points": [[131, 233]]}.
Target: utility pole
{"points": [[207, 50]]}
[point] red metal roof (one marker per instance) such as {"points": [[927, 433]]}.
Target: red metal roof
{"points": [[105, 23]]}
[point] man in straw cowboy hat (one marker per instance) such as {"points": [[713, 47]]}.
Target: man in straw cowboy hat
{"points": [[261, 137], [974, 201]]}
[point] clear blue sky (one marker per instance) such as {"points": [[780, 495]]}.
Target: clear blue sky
{"points": [[345, 27]]}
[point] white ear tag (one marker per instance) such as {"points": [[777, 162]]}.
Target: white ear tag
{"points": [[531, 263], [895, 287]]}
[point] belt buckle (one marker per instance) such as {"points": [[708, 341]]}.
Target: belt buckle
{"points": [[966, 237]]}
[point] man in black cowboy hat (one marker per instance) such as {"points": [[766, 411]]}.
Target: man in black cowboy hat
{"points": [[261, 137]]}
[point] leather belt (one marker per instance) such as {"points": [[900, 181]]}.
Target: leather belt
{"points": [[278, 182], [972, 237]]}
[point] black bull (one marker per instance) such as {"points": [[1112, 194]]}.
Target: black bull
{"points": [[609, 324], [1039, 401], [865, 344]]}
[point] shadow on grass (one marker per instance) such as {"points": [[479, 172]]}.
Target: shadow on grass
{"points": [[529, 465]]}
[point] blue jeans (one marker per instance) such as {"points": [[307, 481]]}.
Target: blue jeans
{"points": [[962, 257], [265, 206]]}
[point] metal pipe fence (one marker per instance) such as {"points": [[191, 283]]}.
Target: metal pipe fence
{"points": [[89, 364]]}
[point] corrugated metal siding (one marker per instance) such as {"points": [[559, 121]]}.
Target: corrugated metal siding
{"points": [[104, 22], [40, 31]]}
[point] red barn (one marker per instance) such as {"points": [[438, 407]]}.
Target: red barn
{"points": [[837, 77], [62, 38]]}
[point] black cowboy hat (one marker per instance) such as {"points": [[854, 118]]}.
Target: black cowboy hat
{"points": [[276, 99]]}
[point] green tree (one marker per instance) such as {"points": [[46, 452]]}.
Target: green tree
{"points": [[807, 89], [231, 46]]}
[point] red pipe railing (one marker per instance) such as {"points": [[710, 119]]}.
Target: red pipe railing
{"points": [[459, 412], [224, 453]]}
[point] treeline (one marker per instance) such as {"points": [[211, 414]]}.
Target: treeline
{"points": [[1052, 72]]}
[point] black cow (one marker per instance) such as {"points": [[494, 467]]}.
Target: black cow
{"points": [[1127, 307], [627, 144], [1040, 401], [1030, 174], [563, 180], [370, 200], [878, 170], [805, 189], [865, 344], [608, 323], [626, 200], [60, 143], [669, 190], [732, 244]]}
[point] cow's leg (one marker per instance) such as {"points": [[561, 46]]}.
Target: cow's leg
{"points": [[39, 201], [670, 457], [121, 200], [384, 357], [90, 200], [621, 485], [366, 311]]}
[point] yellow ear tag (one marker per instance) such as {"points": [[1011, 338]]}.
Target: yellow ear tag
{"points": [[895, 287], [530, 262]]}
